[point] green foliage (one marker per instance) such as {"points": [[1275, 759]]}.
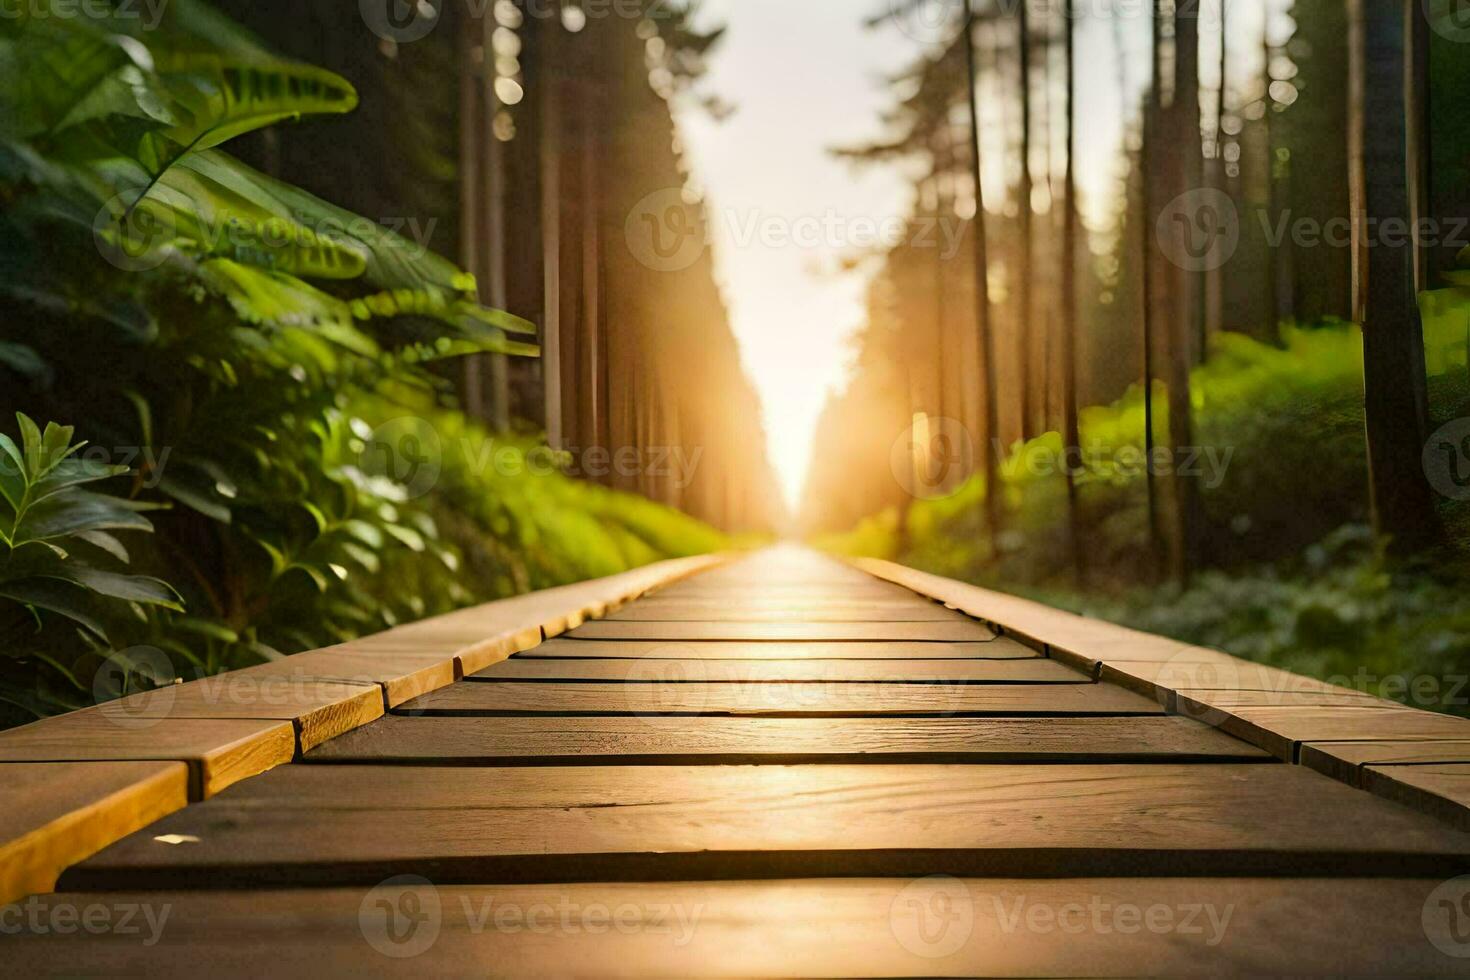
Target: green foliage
{"points": [[1295, 580], [1340, 612], [60, 550], [232, 347]]}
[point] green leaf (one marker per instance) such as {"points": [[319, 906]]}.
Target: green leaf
{"points": [[58, 597], [73, 472], [12, 473], [133, 588], [70, 513], [106, 542], [195, 499], [219, 98]]}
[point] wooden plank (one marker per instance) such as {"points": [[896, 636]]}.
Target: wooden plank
{"points": [[1441, 789], [732, 610], [321, 709], [1000, 648], [1280, 729], [53, 814], [869, 632], [219, 752], [1204, 670], [317, 825], [1212, 707], [1344, 760], [488, 699], [556, 741], [1033, 671], [1112, 927], [403, 674]]}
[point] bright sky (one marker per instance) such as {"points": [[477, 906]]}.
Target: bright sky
{"points": [[807, 75]]}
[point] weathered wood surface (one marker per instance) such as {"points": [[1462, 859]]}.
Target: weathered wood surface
{"points": [[219, 752], [767, 742], [675, 611], [336, 824], [1079, 927], [999, 648], [53, 814], [1440, 788], [666, 671], [560, 741], [321, 709], [606, 629], [489, 698], [1345, 760]]}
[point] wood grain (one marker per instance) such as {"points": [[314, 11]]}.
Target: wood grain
{"points": [[1440, 788], [219, 752], [1000, 648], [1031, 671], [673, 699], [321, 709], [1344, 760], [1208, 927], [556, 741], [402, 673], [736, 611], [337, 825], [53, 814], [1279, 730], [949, 632]]}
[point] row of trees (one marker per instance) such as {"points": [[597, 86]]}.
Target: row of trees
{"points": [[1086, 268], [558, 126]]}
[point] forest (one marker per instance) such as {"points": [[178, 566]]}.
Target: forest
{"points": [[247, 407], [1217, 349]]}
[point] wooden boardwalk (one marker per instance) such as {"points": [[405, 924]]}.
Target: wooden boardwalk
{"points": [[785, 766]]}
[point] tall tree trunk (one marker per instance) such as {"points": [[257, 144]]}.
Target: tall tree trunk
{"points": [[550, 126], [1187, 178], [471, 392], [1146, 252], [1072, 435], [983, 324], [492, 257], [1274, 308], [1395, 396], [1357, 178], [1214, 317], [1023, 224]]}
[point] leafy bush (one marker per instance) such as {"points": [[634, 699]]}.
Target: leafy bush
{"points": [[238, 353], [1295, 578]]}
